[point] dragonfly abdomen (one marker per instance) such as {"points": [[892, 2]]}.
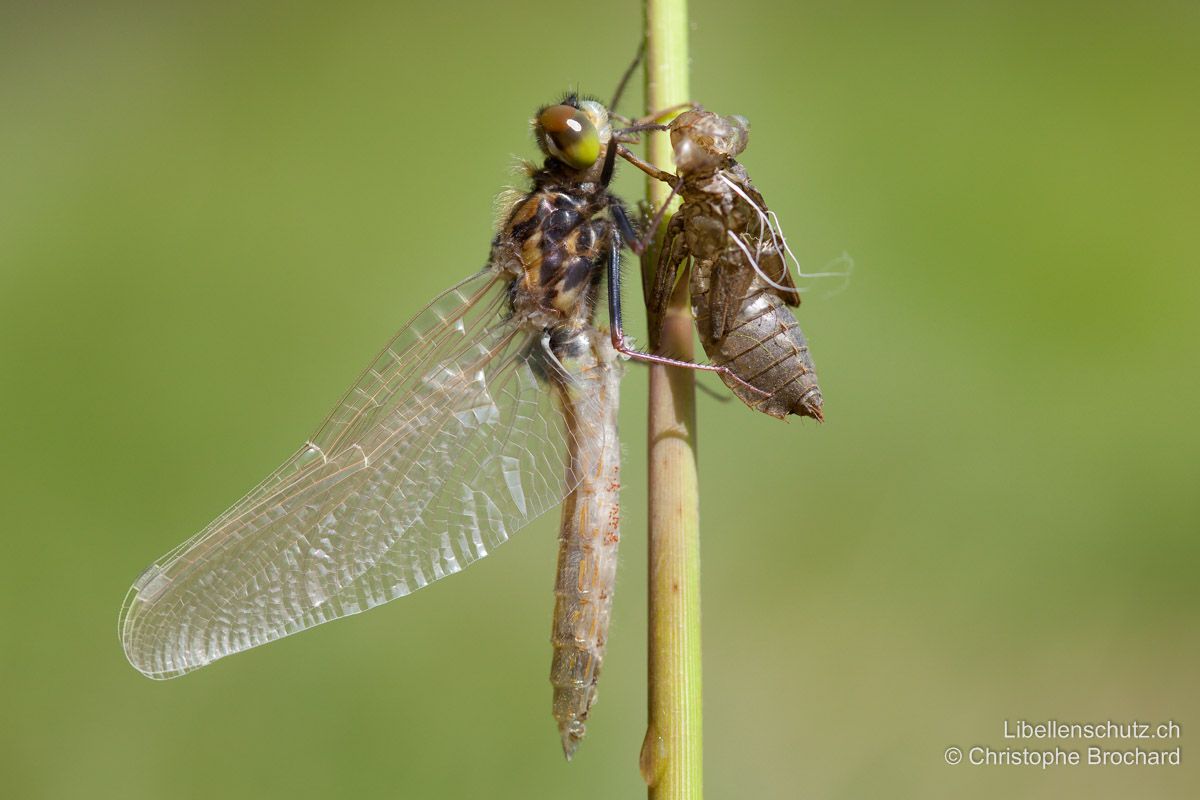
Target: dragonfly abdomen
{"points": [[587, 550]]}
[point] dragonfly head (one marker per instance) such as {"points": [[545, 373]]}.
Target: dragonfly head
{"points": [[574, 131], [704, 141]]}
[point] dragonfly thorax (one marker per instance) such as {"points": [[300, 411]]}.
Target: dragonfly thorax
{"points": [[557, 239]]}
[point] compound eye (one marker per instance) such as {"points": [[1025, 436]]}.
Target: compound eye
{"points": [[567, 134]]}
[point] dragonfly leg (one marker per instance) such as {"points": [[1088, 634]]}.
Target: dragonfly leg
{"points": [[649, 169], [621, 345], [610, 162], [651, 122], [655, 116], [639, 244], [629, 135], [671, 267], [637, 59]]}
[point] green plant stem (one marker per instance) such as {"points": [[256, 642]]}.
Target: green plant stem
{"points": [[671, 758]]}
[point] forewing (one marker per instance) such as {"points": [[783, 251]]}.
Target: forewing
{"points": [[448, 443]]}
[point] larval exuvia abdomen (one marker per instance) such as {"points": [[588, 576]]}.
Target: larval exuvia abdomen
{"points": [[765, 347]]}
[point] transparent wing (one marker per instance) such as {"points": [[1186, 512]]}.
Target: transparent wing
{"points": [[448, 442]]}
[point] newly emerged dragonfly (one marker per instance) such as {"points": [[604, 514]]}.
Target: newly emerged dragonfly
{"points": [[492, 405], [740, 283]]}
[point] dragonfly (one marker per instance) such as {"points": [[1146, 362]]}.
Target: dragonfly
{"points": [[493, 404], [730, 246]]}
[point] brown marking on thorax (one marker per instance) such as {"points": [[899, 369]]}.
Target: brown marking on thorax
{"points": [[561, 234]]}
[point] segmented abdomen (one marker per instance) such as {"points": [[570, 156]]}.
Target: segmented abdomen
{"points": [[765, 348], [587, 546]]}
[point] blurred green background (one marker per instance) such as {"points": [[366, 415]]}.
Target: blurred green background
{"points": [[212, 215]]}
